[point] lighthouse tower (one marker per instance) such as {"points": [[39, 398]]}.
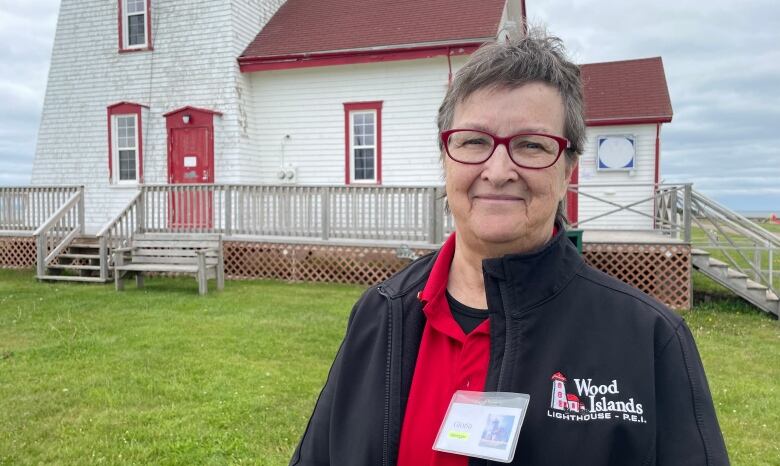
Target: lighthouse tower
{"points": [[558, 400]]}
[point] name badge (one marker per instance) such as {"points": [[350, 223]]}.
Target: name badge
{"points": [[483, 425]]}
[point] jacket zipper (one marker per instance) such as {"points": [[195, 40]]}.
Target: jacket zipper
{"points": [[501, 370], [386, 425]]}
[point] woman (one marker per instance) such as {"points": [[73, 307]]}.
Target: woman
{"points": [[507, 305]]}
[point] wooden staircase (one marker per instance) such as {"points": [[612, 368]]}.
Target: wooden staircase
{"points": [[80, 261], [749, 290]]}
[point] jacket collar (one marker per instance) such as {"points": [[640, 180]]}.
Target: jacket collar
{"points": [[537, 275]]}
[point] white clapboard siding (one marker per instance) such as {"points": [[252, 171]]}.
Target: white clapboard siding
{"points": [[642, 177], [308, 104], [196, 44]]}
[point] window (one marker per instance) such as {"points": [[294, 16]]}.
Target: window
{"points": [[125, 161], [134, 24], [363, 133], [616, 152], [126, 147]]}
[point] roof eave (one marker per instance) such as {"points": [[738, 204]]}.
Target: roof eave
{"points": [[361, 55], [628, 120]]}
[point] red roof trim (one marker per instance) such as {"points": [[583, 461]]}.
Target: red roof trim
{"points": [[125, 102], [628, 121], [194, 109], [351, 57]]}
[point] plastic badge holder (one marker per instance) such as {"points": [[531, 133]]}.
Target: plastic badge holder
{"points": [[483, 425]]}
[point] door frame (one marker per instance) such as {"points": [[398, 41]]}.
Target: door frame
{"points": [[195, 117]]}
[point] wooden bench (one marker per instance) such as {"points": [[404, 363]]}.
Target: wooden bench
{"points": [[199, 254]]}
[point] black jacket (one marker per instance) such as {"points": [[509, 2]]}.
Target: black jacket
{"points": [[629, 361]]}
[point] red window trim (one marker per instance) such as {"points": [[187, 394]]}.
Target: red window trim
{"points": [[357, 106], [148, 47], [125, 108]]}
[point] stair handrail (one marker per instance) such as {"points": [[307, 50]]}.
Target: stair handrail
{"points": [[737, 221], [761, 238], [59, 230], [119, 231]]}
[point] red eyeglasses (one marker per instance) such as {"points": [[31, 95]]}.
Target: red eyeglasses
{"points": [[527, 150]]}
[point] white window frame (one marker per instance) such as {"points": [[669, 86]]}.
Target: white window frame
{"points": [[353, 147], [126, 26], [602, 137], [115, 149]]}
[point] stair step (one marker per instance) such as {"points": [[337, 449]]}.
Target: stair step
{"points": [[751, 285], [74, 267], [771, 296], [717, 263], [70, 278], [699, 252], [735, 273], [81, 256], [79, 245]]}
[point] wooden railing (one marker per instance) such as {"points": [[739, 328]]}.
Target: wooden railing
{"points": [[27, 208], [56, 232], [664, 208], [744, 245], [411, 214], [119, 231]]}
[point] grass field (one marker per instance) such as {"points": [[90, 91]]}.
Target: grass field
{"points": [[162, 376]]}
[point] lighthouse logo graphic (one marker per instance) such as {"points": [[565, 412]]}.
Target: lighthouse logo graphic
{"points": [[561, 400]]}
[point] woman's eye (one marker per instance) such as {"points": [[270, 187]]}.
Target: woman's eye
{"points": [[474, 142]]}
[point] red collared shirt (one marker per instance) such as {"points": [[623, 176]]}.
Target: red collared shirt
{"points": [[447, 361]]}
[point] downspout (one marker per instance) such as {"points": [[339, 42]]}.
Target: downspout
{"points": [[657, 171], [449, 66], [524, 18]]}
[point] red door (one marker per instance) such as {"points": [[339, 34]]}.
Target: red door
{"points": [[190, 162]]}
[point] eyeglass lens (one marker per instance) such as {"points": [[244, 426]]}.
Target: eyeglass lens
{"points": [[525, 149]]}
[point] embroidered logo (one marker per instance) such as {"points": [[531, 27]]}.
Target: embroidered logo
{"points": [[591, 402]]}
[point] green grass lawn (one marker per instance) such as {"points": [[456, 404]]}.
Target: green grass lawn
{"points": [[162, 376]]}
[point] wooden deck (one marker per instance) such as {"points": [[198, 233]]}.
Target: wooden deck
{"points": [[628, 237]]}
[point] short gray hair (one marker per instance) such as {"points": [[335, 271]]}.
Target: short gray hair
{"points": [[536, 57]]}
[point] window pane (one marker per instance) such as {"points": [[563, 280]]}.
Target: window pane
{"points": [[364, 164], [135, 6], [127, 165], [125, 131], [363, 129], [136, 34]]}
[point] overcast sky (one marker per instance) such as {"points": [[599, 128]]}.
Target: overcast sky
{"points": [[722, 62]]}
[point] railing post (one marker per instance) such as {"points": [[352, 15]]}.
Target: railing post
{"points": [[81, 210], [228, 210], [436, 235], [40, 246], [687, 213], [771, 248], [103, 258], [325, 212], [140, 211]]}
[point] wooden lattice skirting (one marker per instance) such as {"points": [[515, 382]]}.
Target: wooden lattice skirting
{"points": [[17, 252], [316, 263], [660, 270]]}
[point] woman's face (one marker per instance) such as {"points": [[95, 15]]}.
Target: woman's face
{"points": [[497, 204]]}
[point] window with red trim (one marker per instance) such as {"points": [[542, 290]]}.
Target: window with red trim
{"points": [[135, 25], [363, 142], [125, 143]]}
